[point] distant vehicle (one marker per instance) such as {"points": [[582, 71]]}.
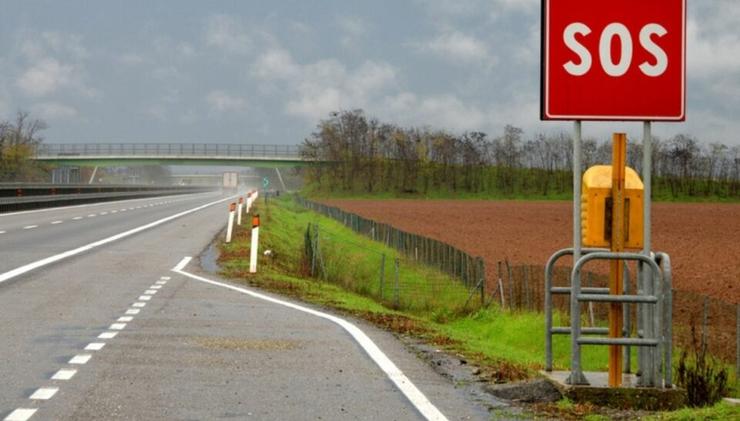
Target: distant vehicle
{"points": [[231, 181]]}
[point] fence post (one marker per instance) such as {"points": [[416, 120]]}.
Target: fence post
{"points": [[704, 324], [526, 288], [511, 285], [382, 274], [482, 277], [501, 286], [398, 292]]}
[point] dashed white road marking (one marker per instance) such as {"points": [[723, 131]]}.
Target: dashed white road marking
{"points": [[80, 359], [145, 297], [103, 213], [64, 374], [30, 227], [107, 335], [114, 211], [165, 278], [125, 319], [133, 311], [56, 222], [2, 232], [77, 218], [124, 210], [140, 305], [92, 215], [44, 393], [94, 346], [155, 287], [21, 414], [150, 292], [117, 326], [403, 383], [69, 253]]}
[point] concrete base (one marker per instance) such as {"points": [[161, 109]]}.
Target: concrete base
{"points": [[628, 396]]}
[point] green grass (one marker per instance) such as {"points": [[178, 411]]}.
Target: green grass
{"points": [[500, 341], [720, 412], [435, 302]]}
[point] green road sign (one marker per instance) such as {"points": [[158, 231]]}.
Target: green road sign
{"points": [[265, 182]]}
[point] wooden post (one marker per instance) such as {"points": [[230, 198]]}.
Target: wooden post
{"points": [[616, 272]]}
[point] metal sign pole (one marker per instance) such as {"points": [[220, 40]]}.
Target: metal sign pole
{"points": [[647, 360], [576, 375]]}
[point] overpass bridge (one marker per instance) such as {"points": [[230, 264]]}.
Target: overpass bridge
{"points": [[120, 154]]}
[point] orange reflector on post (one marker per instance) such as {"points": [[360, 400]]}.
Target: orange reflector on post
{"points": [[255, 221], [232, 207], [241, 200]]}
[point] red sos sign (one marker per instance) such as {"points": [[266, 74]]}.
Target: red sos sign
{"points": [[613, 60]]}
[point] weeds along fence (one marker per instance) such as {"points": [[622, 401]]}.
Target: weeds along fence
{"points": [[369, 271], [470, 270]]}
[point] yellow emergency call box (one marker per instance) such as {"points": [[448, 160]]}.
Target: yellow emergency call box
{"points": [[596, 207]]}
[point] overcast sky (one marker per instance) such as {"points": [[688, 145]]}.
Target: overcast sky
{"points": [[267, 71]]}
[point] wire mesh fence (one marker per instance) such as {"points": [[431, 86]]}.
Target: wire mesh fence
{"points": [[372, 272], [522, 287], [470, 270]]}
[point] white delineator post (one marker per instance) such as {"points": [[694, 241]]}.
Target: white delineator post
{"points": [[230, 226], [255, 244], [239, 212], [249, 201]]}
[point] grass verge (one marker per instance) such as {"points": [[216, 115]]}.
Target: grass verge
{"points": [[507, 346]]}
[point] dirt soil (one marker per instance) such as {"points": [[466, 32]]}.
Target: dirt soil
{"points": [[702, 239]]}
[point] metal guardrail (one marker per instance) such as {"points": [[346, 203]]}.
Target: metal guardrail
{"points": [[170, 150], [14, 197]]}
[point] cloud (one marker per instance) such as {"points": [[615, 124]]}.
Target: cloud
{"points": [[225, 33], [275, 63], [54, 61], [45, 77], [328, 85], [440, 111], [458, 48], [54, 110], [223, 102]]}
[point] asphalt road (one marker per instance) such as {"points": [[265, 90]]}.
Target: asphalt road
{"points": [[109, 331]]}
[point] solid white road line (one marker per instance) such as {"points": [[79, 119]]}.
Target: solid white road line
{"points": [[94, 346], [403, 383], [117, 326], [133, 311], [44, 393], [30, 227], [21, 414], [64, 374], [125, 319], [52, 259], [80, 359], [56, 222], [107, 335]]}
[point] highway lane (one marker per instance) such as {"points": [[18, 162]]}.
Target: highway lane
{"points": [[183, 350], [30, 236]]}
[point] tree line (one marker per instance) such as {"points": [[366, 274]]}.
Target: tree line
{"points": [[18, 141], [365, 155]]}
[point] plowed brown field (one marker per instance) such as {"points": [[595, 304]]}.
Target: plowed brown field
{"points": [[703, 240]]}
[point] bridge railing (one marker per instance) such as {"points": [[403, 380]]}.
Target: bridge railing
{"points": [[168, 150]]}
